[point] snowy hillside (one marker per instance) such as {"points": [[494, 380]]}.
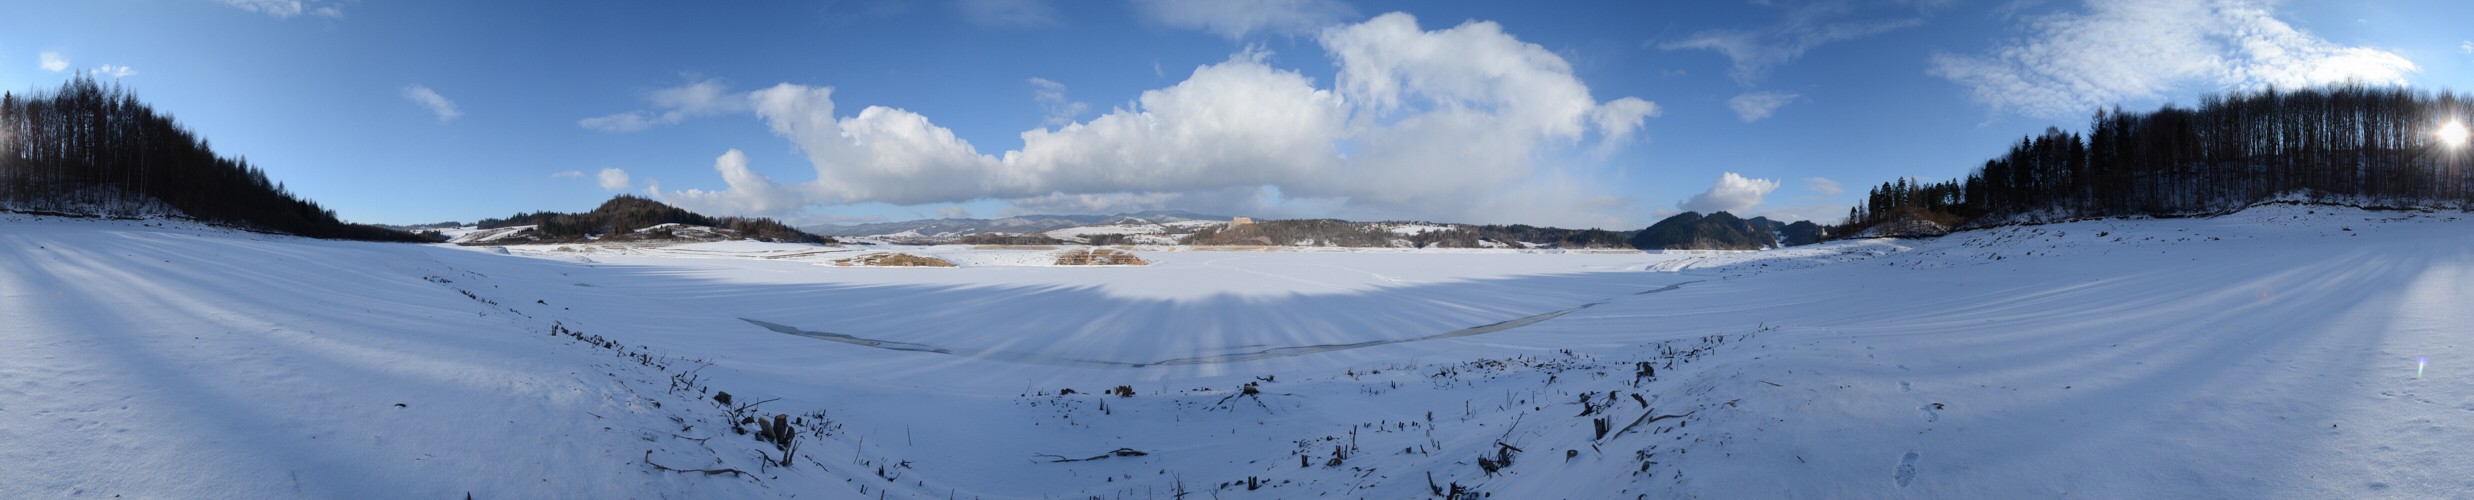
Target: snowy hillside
{"points": [[657, 234], [2265, 353]]}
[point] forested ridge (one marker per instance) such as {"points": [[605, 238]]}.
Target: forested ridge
{"points": [[90, 149], [1725, 231], [624, 214], [2351, 144]]}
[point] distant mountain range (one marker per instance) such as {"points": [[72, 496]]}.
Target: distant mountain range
{"points": [[1022, 224], [631, 218], [1686, 231]]}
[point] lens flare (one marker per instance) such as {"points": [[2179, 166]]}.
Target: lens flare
{"points": [[2419, 362], [2452, 134]]}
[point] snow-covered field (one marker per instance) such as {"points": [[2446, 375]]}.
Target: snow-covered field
{"points": [[2266, 353]]}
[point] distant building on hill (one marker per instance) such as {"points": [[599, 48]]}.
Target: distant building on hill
{"points": [[1240, 221]]}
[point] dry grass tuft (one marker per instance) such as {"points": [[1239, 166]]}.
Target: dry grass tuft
{"points": [[1099, 257], [892, 259]]}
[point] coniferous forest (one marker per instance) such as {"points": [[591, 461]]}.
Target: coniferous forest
{"points": [[2351, 144], [90, 149]]}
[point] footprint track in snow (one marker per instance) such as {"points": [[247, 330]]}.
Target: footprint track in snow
{"points": [[1906, 472]]}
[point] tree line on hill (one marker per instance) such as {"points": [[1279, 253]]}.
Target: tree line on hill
{"points": [[2349, 143], [1725, 231], [90, 149], [1556, 237], [624, 214], [1023, 239]]}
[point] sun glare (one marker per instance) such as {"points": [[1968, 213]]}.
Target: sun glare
{"points": [[2452, 134]]}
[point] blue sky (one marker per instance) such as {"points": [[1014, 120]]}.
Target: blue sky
{"points": [[1609, 114]]}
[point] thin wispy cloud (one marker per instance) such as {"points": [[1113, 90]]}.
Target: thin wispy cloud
{"points": [[1754, 52], [52, 61], [2012, 10], [567, 174], [436, 104], [114, 71], [2131, 51], [620, 123], [1008, 13], [1754, 106], [697, 98], [1823, 186], [1113, 203], [286, 9], [1051, 98], [1236, 20]]}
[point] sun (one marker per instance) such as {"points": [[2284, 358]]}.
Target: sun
{"points": [[2452, 134]]}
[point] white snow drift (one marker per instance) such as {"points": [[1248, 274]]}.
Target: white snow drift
{"points": [[2266, 353]]}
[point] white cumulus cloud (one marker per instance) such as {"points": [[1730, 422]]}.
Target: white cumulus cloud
{"points": [[53, 62], [437, 104], [1753, 106], [749, 192], [1235, 19], [612, 179], [1732, 193], [2119, 51], [1446, 124], [1620, 117]]}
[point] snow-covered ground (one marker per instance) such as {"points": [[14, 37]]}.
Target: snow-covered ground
{"points": [[2266, 353], [1137, 231], [1413, 229], [477, 235]]}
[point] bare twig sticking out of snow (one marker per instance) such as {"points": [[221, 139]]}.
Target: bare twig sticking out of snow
{"points": [[1120, 452], [648, 460], [1645, 418], [1248, 391]]}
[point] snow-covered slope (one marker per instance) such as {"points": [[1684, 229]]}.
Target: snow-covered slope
{"points": [[2265, 353], [474, 235], [1130, 228], [191, 362], [656, 235]]}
